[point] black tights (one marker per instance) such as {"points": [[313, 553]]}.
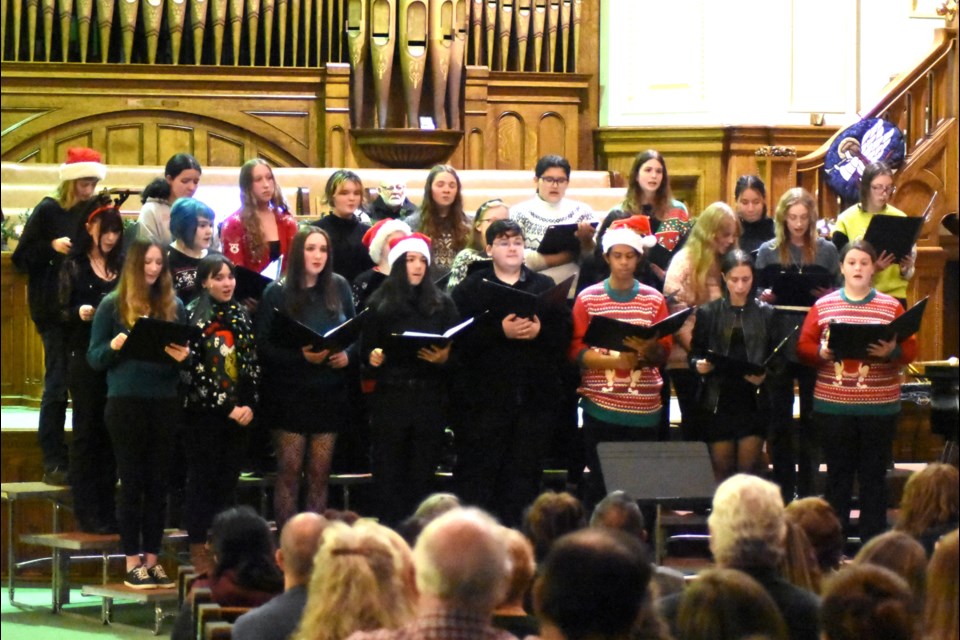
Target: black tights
{"points": [[294, 457]]}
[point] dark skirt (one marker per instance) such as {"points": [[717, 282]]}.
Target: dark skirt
{"points": [[306, 411]]}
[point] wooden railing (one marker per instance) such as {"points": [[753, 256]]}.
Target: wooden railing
{"points": [[504, 35], [920, 103]]}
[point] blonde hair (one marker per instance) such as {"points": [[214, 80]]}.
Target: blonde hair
{"points": [[359, 583], [66, 193], [941, 619], [931, 497], [799, 565], [747, 525], [248, 209], [134, 297], [703, 259], [793, 197]]}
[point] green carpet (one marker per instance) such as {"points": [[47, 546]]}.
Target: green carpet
{"points": [[82, 621]]}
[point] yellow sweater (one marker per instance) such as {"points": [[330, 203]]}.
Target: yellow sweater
{"points": [[853, 223]]}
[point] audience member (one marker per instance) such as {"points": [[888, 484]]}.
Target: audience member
{"points": [[904, 556], [462, 568], [362, 581], [592, 585], [940, 615], [550, 516], [930, 505], [726, 604], [245, 573], [747, 530], [799, 564], [278, 618], [867, 602], [510, 615], [818, 520], [618, 511], [432, 507]]}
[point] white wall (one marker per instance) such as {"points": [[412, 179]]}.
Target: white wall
{"points": [[773, 62]]}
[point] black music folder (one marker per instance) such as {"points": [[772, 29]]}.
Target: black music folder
{"points": [[406, 345], [609, 333], [795, 288], [561, 237], [850, 341], [293, 334], [502, 300], [250, 284], [736, 367], [893, 234], [149, 337]]}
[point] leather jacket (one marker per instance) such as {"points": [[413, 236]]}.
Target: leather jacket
{"points": [[713, 331]]}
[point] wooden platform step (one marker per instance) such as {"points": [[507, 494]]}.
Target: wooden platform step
{"points": [[119, 591], [80, 541]]}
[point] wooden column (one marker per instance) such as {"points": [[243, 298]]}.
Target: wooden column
{"points": [[475, 152], [337, 143]]}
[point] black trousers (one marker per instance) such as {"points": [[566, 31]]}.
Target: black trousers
{"points": [[93, 471], [858, 448], [791, 448], [499, 449], [53, 402], [407, 423], [214, 447], [685, 384], [596, 431], [141, 430]]}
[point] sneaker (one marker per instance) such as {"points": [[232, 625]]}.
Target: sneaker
{"points": [[160, 577], [139, 578]]}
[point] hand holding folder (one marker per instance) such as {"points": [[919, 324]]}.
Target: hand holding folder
{"points": [[561, 237], [414, 345], [292, 334], [502, 301], [609, 333], [150, 338], [850, 341]]}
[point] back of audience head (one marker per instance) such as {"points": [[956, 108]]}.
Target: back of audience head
{"points": [[799, 565], [931, 498], [522, 567], [359, 583], [461, 561], [902, 554], [432, 507], [550, 516], [242, 542], [299, 542], [727, 604], [747, 526], [866, 602], [819, 521], [619, 511], [593, 584], [940, 616]]}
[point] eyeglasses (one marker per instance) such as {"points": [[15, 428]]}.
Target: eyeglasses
{"points": [[392, 187], [555, 181], [879, 188]]}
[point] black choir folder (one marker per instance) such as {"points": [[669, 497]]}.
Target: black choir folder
{"points": [[149, 337], [893, 234], [608, 333], [850, 341], [795, 288], [735, 367], [406, 345], [292, 334], [502, 300], [559, 238]]}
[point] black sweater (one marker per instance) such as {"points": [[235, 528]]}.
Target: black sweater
{"points": [[36, 257], [350, 256], [79, 286]]}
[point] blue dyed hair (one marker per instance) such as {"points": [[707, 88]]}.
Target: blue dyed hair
{"points": [[183, 219]]}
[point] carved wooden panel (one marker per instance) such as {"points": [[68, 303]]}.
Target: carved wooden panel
{"points": [[124, 144], [510, 141], [551, 135], [173, 139], [21, 368]]}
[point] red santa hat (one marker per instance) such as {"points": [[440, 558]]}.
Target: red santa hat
{"points": [[375, 239], [82, 162], [633, 231], [414, 242]]}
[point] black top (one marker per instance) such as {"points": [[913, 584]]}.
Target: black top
{"points": [[364, 285], [79, 286], [273, 247], [350, 256], [183, 270], [754, 234], [737, 396], [380, 210], [36, 257], [512, 370]]}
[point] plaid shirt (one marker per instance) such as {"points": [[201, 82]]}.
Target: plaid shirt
{"points": [[440, 625]]}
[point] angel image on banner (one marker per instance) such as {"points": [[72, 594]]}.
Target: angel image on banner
{"points": [[866, 142]]}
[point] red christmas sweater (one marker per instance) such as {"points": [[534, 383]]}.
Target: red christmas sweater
{"points": [[854, 387], [624, 397]]}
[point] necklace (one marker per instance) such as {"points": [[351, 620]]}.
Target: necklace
{"points": [[99, 266]]}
